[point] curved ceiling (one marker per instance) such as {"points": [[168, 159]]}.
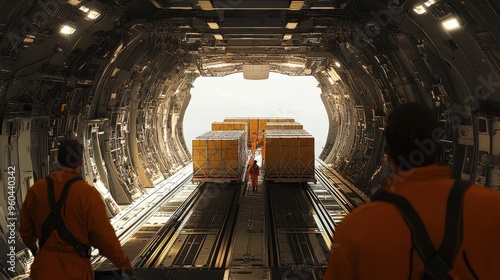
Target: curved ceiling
{"points": [[121, 80]]}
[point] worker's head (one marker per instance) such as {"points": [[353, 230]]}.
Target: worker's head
{"points": [[412, 137], [254, 162], [70, 153]]}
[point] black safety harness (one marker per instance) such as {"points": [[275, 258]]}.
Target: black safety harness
{"points": [[55, 221], [438, 263]]}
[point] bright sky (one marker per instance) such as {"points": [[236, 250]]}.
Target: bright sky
{"points": [[216, 98]]}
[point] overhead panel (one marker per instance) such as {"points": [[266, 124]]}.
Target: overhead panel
{"points": [[156, 4], [296, 5], [291, 25], [323, 5], [74, 2], [250, 5], [213, 25], [254, 26], [256, 71], [205, 5]]}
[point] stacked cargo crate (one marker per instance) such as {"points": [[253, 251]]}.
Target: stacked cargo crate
{"points": [[279, 125], [283, 125], [262, 124], [231, 126], [257, 126], [219, 156], [289, 156]]}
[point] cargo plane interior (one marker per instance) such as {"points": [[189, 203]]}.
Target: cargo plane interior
{"points": [[116, 75]]}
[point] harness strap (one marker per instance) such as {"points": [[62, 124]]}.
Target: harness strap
{"points": [[438, 262], [420, 238], [453, 233], [55, 221]]}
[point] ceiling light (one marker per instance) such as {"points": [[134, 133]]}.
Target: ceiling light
{"points": [[205, 5], [92, 15], [156, 4], [74, 2], [430, 3], [293, 65], [324, 5], [287, 37], [67, 29], [84, 9], [451, 23], [29, 39], [180, 8], [219, 65], [333, 74], [420, 9], [218, 37], [213, 25], [296, 5], [337, 64], [291, 25]]}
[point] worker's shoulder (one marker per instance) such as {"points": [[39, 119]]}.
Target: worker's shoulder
{"points": [[85, 191], [37, 188], [38, 184], [368, 215], [79, 184], [370, 207], [482, 194], [369, 211], [84, 186], [82, 183]]}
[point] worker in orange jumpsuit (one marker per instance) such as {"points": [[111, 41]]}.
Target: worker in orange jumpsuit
{"points": [[84, 216], [254, 175], [254, 145], [374, 241]]}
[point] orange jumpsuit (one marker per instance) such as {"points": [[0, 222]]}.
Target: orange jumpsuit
{"points": [[84, 215], [373, 242], [254, 175]]}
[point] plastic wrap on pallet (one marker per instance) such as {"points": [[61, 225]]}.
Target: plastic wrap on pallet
{"points": [[289, 156], [231, 126], [283, 125], [219, 156], [257, 126]]}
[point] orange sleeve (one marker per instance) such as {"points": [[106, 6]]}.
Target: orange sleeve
{"points": [[102, 235], [27, 227], [341, 263]]}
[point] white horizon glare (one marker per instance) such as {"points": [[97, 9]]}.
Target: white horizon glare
{"points": [[216, 98]]}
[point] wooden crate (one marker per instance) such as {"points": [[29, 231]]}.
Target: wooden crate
{"points": [[257, 126], [262, 126], [231, 126], [219, 156], [252, 126], [289, 156], [283, 125]]}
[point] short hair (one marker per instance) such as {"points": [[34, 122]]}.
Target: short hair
{"points": [[70, 153], [254, 161], [412, 136]]}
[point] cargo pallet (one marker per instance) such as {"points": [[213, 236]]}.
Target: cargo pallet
{"points": [[219, 156], [289, 156]]}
